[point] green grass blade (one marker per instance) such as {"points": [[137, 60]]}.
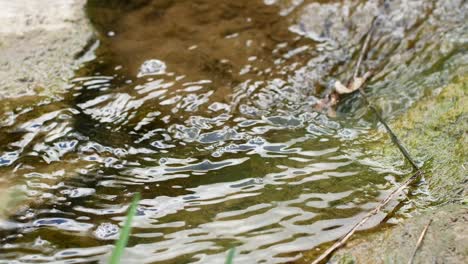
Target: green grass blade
{"points": [[125, 232], [230, 256]]}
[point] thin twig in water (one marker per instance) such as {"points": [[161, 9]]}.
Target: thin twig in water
{"points": [[393, 136], [377, 209], [418, 244], [395, 140]]}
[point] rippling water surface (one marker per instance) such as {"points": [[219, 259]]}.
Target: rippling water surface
{"points": [[207, 109]]}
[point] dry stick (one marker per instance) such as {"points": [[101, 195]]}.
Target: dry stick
{"points": [[418, 244], [395, 140], [377, 209], [364, 48]]}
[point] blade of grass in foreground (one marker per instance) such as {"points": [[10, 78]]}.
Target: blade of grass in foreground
{"points": [[125, 232], [230, 256]]}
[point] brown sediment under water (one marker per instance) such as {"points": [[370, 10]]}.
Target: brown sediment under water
{"points": [[207, 109]]}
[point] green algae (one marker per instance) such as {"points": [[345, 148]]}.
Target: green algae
{"points": [[435, 132]]}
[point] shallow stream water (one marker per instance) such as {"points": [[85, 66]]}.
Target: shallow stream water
{"points": [[207, 109]]}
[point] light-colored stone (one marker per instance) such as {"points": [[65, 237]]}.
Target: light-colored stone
{"points": [[39, 42]]}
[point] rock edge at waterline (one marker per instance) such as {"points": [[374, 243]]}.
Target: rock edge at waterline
{"points": [[435, 130], [39, 43]]}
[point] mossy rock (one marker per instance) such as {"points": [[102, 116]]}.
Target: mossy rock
{"points": [[434, 131]]}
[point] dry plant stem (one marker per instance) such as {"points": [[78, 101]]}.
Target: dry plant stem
{"points": [[364, 48], [381, 205], [395, 140], [418, 244]]}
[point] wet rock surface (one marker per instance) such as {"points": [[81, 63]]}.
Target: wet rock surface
{"points": [[435, 131], [42, 43]]}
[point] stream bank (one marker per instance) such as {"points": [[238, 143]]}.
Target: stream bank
{"points": [[434, 131], [42, 44]]}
